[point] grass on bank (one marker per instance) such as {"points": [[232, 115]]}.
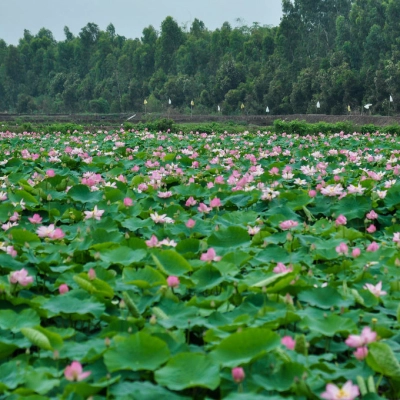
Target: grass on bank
{"points": [[165, 124]]}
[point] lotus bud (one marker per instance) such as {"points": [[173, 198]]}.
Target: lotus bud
{"points": [[63, 288], [238, 374], [288, 299], [92, 274]]}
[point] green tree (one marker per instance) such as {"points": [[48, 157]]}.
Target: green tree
{"points": [[168, 43]]}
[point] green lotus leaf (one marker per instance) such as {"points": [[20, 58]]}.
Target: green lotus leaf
{"points": [[136, 352], [171, 263], [43, 338], [74, 302], [82, 194], [188, 370], [14, 321], [233, 236], [122, 255], [382, 360], [242, 347]]}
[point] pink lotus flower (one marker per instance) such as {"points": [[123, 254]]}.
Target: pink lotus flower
{"points": [[190, 202], [342, 248], [274, 171], [74, 372], [285, 225], [128, 202], [341, 220], [356, 252], [15, 217], [381, 193], [281, 268], [8, 225], [372, 215], [253, 230], [50, 232], [361, 353], [20, 277], [50, 173], [238, 374], [168, 242], [142, 187], [92, 274], [219, 180], [63, 288], [164, 195], [373, 247], [203, 208], [121, 178], [152, 242], [173, 281], [95, 214], [211, 255], [36, 219], [375, 290], [216, 202], [396, 237], [57, 234], [371, 228], [332, 190], [161, 219], [288, 342], [190, 223], [312, 193], [367, 336], [9, 250], [347, 392], [45, 231]]}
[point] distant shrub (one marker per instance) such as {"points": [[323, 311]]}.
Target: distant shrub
{"points": [[164, 124], [64, 128], [345, 126], [128, 126], [300, 127], [392, 129], [369, 128]]}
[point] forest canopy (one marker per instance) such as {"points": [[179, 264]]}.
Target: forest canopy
{"points": [[340, 53]]}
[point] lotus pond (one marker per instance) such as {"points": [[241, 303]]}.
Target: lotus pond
{"points": [[136, 265]]}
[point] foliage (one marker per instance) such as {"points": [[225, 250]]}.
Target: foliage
{"points": [[341, 53], [137, 263]]}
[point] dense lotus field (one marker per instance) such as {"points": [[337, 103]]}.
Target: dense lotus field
{"points": [[138, 265]]}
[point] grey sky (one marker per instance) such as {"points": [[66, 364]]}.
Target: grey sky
{"points": [[128, 16]]}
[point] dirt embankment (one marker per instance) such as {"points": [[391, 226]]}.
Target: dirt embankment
{"points": [[262, 120]]}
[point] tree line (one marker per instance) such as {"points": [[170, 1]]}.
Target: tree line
{"points": [[340, 53]]}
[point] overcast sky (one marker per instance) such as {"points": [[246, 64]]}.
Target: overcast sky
{"points": [[128, 16]]}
